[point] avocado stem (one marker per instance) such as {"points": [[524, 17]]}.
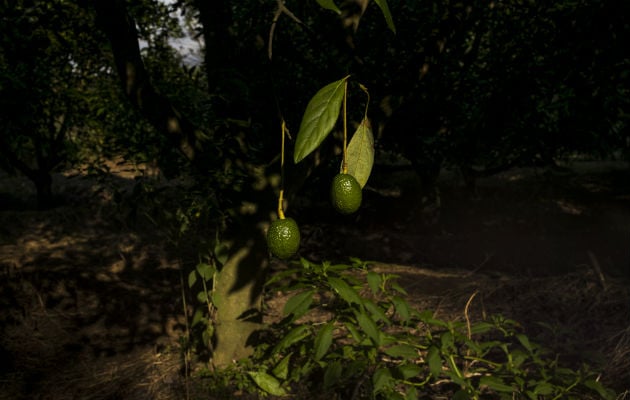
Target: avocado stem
{"points": [[344, 164]]}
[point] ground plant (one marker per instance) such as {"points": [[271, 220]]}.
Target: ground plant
{"points": [[349, 332]]}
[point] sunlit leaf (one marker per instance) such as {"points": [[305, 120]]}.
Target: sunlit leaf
{"points": [[206, 271], [406, 371], [402, 308], [192, 278], [403, 351], [381, 380], [374, 281], [360, 153], [435, 361], [319, 118], [481, 327], [323, 341], [377, 313], [295, 335], [268, 383], [356, 335], [281, 370], [299, 304], [369, 327], [495, 384], [606, 394], [386, 13], [329, 5], [525, 342], [197, 317], [544, 389], [345, 291]]}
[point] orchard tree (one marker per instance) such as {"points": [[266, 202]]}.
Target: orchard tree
{"points": [[228, 153], [483, 87], [52, 86]]}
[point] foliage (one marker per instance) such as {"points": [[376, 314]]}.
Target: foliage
{"points": [[350, 331]]}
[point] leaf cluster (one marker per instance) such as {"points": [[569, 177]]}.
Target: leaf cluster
{"points": [[350, 331]]}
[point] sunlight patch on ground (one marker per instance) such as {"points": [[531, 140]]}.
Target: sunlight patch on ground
{"points": [[569, 208]]}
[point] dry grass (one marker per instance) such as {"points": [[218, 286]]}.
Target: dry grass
{"points": [[583, 316]]}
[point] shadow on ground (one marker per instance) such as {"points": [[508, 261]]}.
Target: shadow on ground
{"points": [[90, 298], [84, 297]]}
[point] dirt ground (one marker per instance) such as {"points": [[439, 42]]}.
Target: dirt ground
{"points": [[90, 309]]}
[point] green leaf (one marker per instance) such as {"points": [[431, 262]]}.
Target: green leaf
{"points": [[388, 15], [202, 297], [398, 288], [402, 308], [403, 351], [319, 118], [377, 313], [406, 371], [481, 327], [332, 374], [281, 370], [448, 342], [299, 304], [221, 253], [605, 394], [268, 383], [345, 291], [374, 281], [461, 395], [360, 153], [369, 327], [525, 342], [329, 5], [197, 317], [295, 335], [356, 335], [323, 341], [192, 278], [435, 361], [206, 271], [543, 388], [496, 384], [381, 380]]}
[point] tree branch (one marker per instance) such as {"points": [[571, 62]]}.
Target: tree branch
{"points": [[121, 31]]}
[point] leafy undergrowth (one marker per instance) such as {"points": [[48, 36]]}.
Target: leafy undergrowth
{"points": [[349, 332]]}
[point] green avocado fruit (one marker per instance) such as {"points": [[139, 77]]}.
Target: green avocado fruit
{"points": [[283, 238], [345, 194]]}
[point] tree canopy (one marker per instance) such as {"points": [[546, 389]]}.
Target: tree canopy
{"points": [[481, 86]]}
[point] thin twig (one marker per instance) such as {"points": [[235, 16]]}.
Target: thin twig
{"points": [[598, 269], [282, 9], [466, 313]]}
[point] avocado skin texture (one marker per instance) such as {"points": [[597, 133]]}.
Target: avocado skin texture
{"points": [[346, 194]]}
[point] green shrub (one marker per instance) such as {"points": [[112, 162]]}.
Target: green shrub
{"points": [[349, 331]]}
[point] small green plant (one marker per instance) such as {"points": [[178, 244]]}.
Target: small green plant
{"points": [[350, 331]]}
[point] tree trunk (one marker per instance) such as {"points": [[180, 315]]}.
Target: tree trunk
{"points": [[41, 177], [238, 296]]}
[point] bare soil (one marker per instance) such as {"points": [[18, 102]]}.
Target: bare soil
{"points": [[90, 303]]}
